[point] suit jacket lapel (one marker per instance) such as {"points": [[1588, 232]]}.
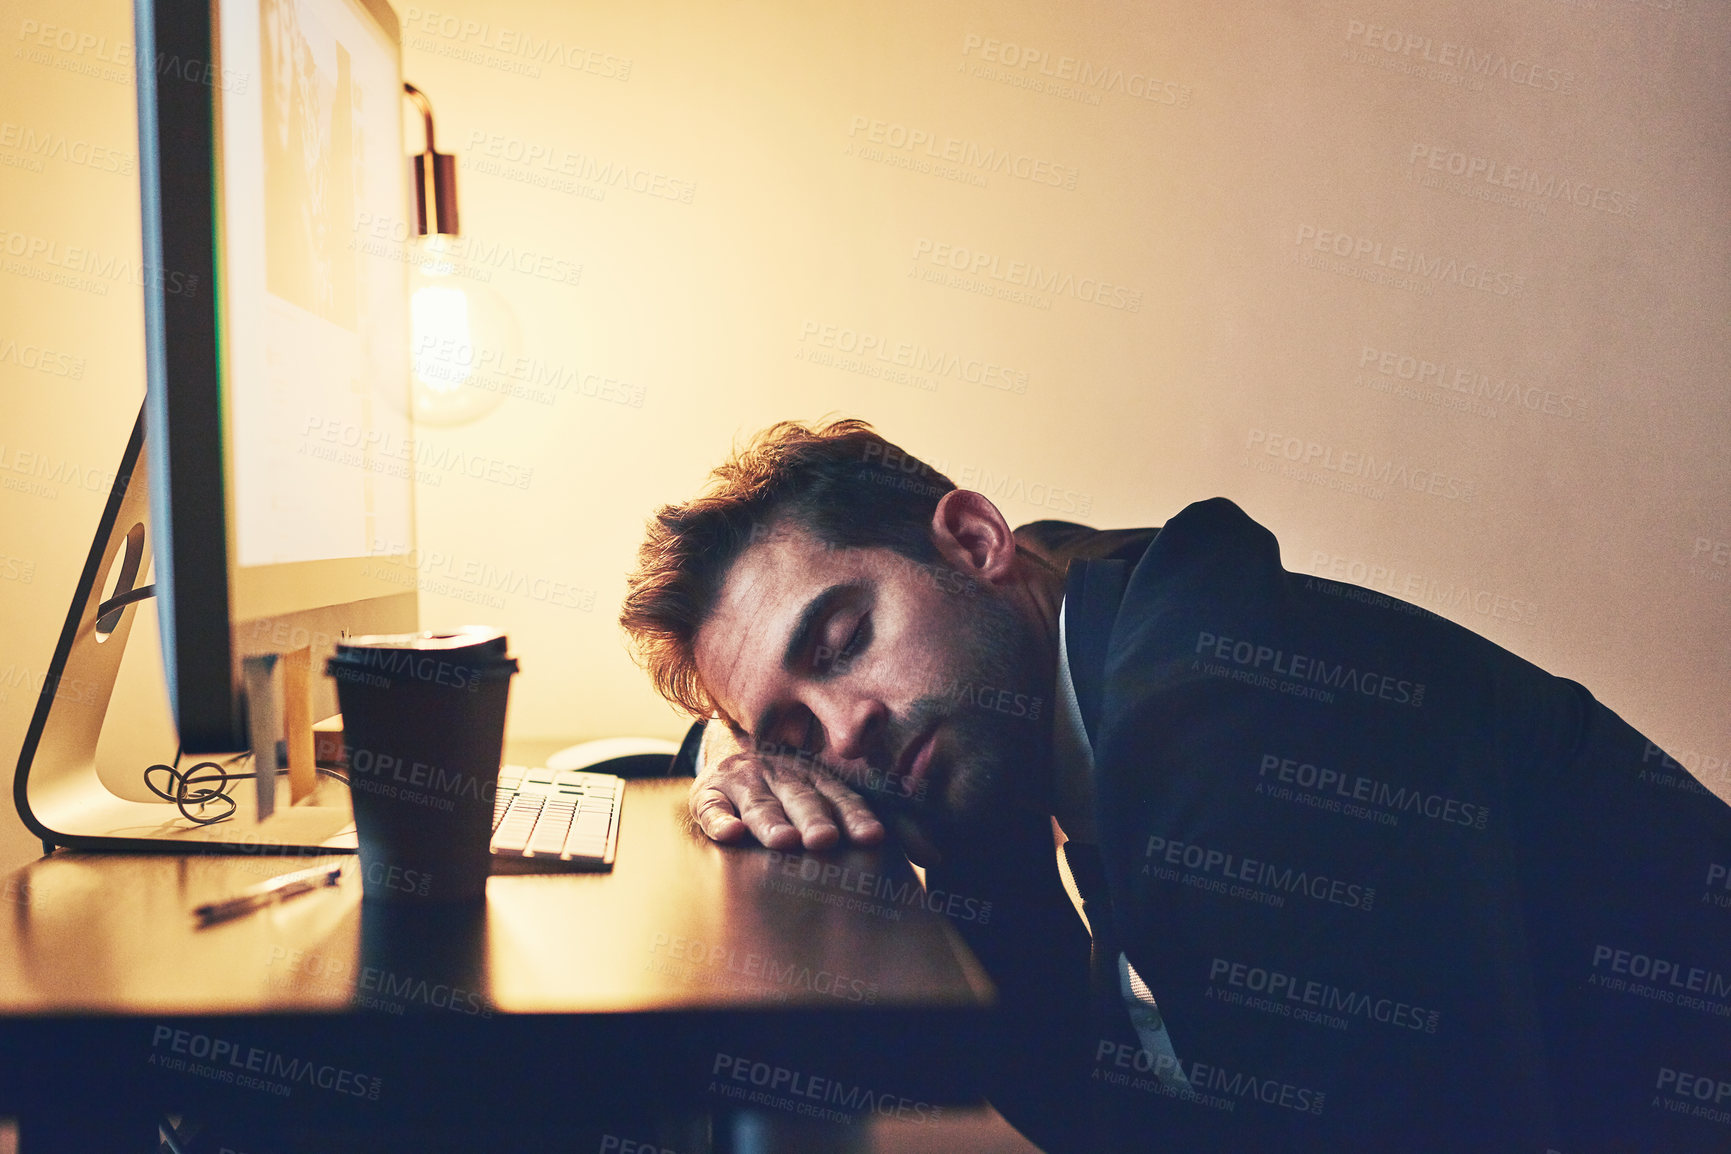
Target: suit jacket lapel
{"points": [[1093, 591]]}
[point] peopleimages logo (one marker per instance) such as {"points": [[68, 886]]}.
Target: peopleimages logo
{"points": [[1698, 1087], [1661, 980], [468, 256], [84, 268], [1203, 1083], [692, 959], [418, 666], [809, 1094], [41, 359], [1305, 667], [1423, 595], [1354, 469], [1359, 788], [1675, 772], [227, 1061], [455, 362], [1416, 262], [1718, 879], [40, 473], [1025, 275], [472, 579], [1310, 1000], [373, 987], [558, 160], [522, 45], [915, 355], [1205, 860], [1068, 76], [88, 54], [906, 892], [50, 145], [1007, 488], [346, 443], [1464, 59], [389, 767], [1470, 382], [1537, 183], [967, 153]]}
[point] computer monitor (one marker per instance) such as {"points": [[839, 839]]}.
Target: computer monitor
{"points": [[277, 413], [280, 503]]}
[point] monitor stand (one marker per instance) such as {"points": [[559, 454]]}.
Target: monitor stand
{"points": [[57, 790]]}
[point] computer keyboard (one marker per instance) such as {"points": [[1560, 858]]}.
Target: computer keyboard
{"points": [[556, 818]]}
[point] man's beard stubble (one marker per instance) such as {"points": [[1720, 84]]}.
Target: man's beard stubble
{"points": [[996, 778]]}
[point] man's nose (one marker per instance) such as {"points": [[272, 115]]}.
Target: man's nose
{"points": [[850, 724]]}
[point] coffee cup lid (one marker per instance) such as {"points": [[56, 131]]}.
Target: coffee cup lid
{"points": [[477, 644]]}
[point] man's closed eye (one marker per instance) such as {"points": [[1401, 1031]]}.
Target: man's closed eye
{"points": [[830, 661]]}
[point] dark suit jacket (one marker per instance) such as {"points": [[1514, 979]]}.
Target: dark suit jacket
{"points": [[1393, 887]]}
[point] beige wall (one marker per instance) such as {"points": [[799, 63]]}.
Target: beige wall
{"points": [[1482, 298]]}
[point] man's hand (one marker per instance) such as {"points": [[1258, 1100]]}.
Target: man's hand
{"points": [[785, 802]]}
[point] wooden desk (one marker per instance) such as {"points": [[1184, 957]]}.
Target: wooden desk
{"points": [[657, 983]]}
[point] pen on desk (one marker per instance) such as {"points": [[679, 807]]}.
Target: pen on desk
{"points": [[277, 889]]}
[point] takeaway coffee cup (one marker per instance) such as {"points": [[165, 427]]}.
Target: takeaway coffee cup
{"points": [[423, 730]]}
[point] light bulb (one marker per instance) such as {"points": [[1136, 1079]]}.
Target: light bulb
{"points": [[463, 338], [439, 316]]}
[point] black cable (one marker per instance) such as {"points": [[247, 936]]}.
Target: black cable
{"points": [[190, 791], [120, 601]]}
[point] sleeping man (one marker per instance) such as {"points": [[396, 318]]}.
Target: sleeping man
{"points": [[1354, 878]]}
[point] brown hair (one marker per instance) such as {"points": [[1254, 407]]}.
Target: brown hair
{"points": [[839, 481]]}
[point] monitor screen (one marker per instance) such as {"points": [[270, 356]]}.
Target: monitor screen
{"points": [[278, 427], [317, 332]]}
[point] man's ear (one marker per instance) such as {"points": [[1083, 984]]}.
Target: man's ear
{"points": [[972, 536]]}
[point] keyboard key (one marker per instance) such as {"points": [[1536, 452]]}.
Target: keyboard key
{"points": [[550, 832], [515, 830]]}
